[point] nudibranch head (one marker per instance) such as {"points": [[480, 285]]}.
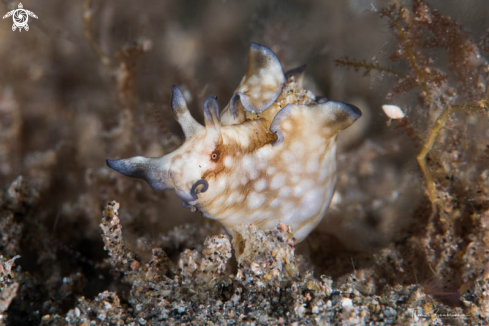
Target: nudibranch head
{"points": [[268, 157]]}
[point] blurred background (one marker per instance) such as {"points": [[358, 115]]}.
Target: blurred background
{"points": [[91, 80]]}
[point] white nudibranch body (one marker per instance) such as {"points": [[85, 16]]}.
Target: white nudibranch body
{"points": [[268, 157]]}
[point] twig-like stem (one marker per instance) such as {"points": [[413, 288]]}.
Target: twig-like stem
{"points": [[368, 67], [422, 80], [440, 123], [427, 146], [87, 31]]}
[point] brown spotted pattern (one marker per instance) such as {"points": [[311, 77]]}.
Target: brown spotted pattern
{"points": [[263, 185], [268, 158]]}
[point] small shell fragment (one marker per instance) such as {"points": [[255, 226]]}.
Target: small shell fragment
{"points": [[393, 111]]}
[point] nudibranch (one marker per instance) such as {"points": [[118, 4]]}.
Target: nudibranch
{"points": [[268, 157]]}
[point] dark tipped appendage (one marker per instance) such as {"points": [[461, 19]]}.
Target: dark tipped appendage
{"points": [[153, 170], [177, 99], [110, 163], [181, 113], [211, 107], [262, 62], [194, 191], [298, 74], [122, 166], [340, 115], [352, 110], [233, 106], [211, 113], [296, 71], [321, 99], [275, 126], [264, 54]]}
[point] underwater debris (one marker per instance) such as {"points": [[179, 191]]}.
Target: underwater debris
{"points": [[454, 243], [122, 260], [8, 285], [10, 232], [393, 111], [459, 86], [268, 256], [267, 289]]}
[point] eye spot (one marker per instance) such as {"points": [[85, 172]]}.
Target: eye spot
{"points": [[215, 156]]}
